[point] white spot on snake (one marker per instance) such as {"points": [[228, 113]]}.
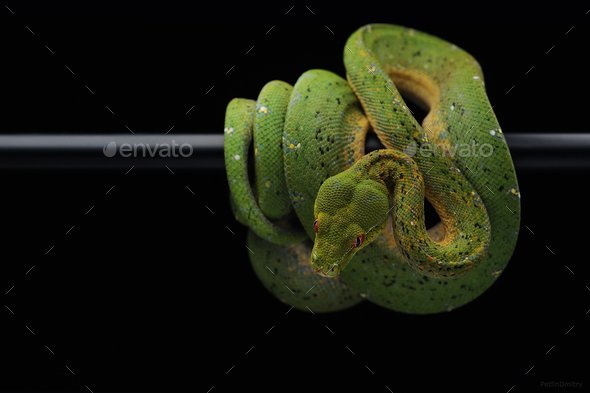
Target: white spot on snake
{"points": [[363, 295], [515, 192], [228, 130], [268, 184], [493, 132], [371, 69], [263, 109], [475, 77], [237, 157], [452, 107]]}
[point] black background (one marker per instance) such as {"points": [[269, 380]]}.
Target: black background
{"points": [[150, 292]]}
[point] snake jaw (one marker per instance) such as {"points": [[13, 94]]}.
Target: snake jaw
{"points": [[326, 263], [325, 275], [327, 271]]}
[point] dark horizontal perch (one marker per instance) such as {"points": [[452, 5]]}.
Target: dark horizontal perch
{"points": [[205, 151]]}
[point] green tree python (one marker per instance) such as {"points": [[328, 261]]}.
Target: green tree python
{"points": [[330, 225]]}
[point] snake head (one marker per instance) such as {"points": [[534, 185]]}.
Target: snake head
{"points": [[349, 214]]}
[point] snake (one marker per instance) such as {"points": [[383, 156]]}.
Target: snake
{"points": [[330, 226]]}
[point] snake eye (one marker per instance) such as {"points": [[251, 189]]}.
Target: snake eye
{"points": [[315, 226], [359, 241]]}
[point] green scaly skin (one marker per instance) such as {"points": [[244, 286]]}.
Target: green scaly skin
{"points": [[371, 240]]}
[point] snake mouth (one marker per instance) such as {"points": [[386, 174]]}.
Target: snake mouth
{"points": [[331, 273], [324, 262], [322, 269]]}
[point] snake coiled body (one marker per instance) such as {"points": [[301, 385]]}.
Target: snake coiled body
{"points": [[331, 226]]}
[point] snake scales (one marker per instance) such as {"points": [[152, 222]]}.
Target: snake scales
{"points": [[331, 226]]}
